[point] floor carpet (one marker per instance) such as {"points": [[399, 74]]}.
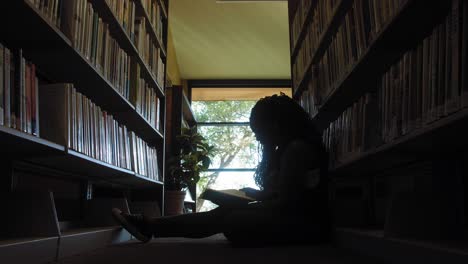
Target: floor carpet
{"points": [[214, 249]]}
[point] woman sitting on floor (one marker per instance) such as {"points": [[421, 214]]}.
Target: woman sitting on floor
{"points": [[292, 203]]}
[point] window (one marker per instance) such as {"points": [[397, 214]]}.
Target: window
{"points": [[222, 116], [225, 124]]}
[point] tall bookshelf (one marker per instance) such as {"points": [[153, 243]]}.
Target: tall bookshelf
{"points": [[385, 82], [94, 85], [180, 115]]}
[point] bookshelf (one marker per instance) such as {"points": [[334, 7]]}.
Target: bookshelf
{"points": [[180, 116], [107, 167], [390, 126]]}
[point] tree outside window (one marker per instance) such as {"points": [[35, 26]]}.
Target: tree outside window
{"points": [[225, 124]]}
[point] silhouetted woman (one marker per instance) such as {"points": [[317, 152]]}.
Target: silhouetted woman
{"points": [[293, 197]]}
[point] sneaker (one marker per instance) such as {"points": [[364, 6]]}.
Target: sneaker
{"points": [[135, 224]]}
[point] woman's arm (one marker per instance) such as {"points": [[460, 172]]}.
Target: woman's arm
{"points": [[259, 195]]}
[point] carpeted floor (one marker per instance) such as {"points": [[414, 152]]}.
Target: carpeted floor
{"points": [[215, 249]]}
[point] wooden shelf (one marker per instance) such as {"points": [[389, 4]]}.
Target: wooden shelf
{"points": [[104, 172], [302, 34], [139, 181], [324, 42], [125, 42], [19, 144], [400, 34], [51, 51], [80, 166], [435, 138], [142, 12], [187, 112], [405, 251]]}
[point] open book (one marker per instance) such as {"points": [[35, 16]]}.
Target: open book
{"points": [[226, 197]]}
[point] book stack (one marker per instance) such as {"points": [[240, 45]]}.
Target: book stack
{"points": [[52, 9], [363, 21], [425, 85], [92, 38], [145, 99], [155, 16], [428, 82], [346, 47], [144, 159], [124, 11], [149, 51], [71, 119], [299, 19], [354, 132], [321, 15], [18, 92], [380, 12]]}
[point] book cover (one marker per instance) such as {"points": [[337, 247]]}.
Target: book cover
{"points": [[226, 197], [55, 109]]}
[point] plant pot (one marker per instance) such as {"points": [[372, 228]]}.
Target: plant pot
{"points": [[174, 202]]}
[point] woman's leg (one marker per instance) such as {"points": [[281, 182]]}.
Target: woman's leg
{"points": [[194, 225]]}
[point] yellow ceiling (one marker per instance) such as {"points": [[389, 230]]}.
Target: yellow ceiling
{"points": [[230, 40]]}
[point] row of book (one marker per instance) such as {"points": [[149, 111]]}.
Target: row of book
{"points": [[298, 20], [155, 16], [18, 92], [355, 131], [307, 100], [145, 99], [361, 23], [145, 159], [381, 12], [136, 28], [52, 9], [80, 21], [347, 47], [148, 50], [321, 16], [427, 84], [69, 118], [124, 11], [91, 36]]}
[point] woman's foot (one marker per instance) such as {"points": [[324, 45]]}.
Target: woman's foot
{"points": [[135, 224]]}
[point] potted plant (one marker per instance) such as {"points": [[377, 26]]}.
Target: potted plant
{"points": [[185, 168]]}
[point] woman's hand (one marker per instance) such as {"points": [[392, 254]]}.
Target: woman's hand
{"points": [[254, 193]]}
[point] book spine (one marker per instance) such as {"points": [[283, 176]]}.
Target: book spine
{"points": [[34, 102], [27, 100], [2, 85], [464, 85], [37, 123], [13, 89], [7, 86], [54, 112], [454, 103]]}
